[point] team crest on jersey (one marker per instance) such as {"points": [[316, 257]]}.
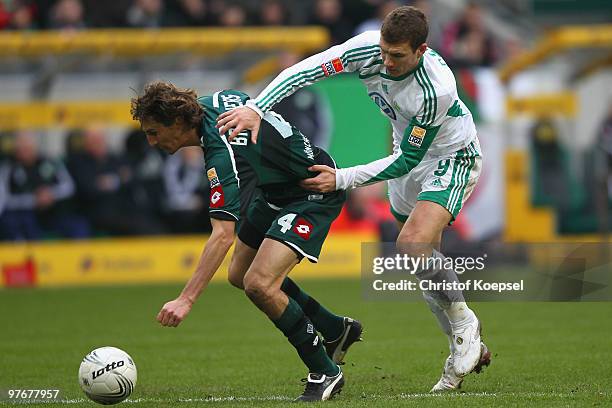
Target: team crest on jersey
{"points": [[213, 178], [383, 104], [303, 228], [416, 136], [333, 67], [216, 197]]}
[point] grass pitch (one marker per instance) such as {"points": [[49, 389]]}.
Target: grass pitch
{"points": [[227, 353]]}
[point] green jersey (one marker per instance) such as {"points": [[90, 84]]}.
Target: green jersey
{"points": [[277, 162]]}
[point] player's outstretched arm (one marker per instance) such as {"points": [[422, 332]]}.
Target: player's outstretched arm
{"points": [[346, 57], [239, 119], [330, 179], [219, 243]]}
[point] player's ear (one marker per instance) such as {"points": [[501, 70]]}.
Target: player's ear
{"points": [[421, 49]]}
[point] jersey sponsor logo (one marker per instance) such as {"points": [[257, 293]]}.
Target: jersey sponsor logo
{"points": [[315, 197], [231, 101], [212, 177], [303, 228], [333, 67], [308, 148], [416, 136], [217, 198], [383, 104], [241, 140]]}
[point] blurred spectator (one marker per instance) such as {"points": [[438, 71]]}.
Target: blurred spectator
{"points": [[358, 11], [376, 22], [22, 16], [146, 14], [367, 211], [103, 182], [328, 13], [306, 109], [37, 193], [434, 22], [67, 15], [187, 192], [467, 42], [106, 13], [5, 16], [233, 15], [147, 164], [189, 13], [273, 13]]}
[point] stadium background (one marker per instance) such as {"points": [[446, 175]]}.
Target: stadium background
{"points": [[538, 87], [535, 73]]}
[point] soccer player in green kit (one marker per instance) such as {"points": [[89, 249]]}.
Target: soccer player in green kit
{"points": [[284, 224]]}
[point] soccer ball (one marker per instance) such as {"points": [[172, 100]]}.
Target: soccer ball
{"points": [[107, 375]]}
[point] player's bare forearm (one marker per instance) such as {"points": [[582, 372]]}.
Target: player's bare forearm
{"points": [[215, 250], [213, 254], [324, 182], [237, 120]]}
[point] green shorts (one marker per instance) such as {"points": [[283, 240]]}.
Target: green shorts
{"points": [[301, 225], [447, 180]]}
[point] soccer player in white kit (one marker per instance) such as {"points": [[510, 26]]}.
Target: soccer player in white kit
{"points": [[434, 167]]}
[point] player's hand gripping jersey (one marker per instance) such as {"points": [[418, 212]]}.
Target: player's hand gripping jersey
{"points": [[426, 114]]}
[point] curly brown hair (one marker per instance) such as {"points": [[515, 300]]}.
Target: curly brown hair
{"points": [[165, 103], [405, 24]]}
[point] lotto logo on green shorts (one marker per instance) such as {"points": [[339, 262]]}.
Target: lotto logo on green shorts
{"points": [[303, 228], [216, 197]]}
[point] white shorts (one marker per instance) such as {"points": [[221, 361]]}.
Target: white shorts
{"points": [[447, 180]]}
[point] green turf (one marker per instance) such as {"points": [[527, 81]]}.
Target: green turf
{"points": [[545, 354]]}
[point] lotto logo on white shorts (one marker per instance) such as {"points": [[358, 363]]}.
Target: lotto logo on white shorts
{"points": [[303, 228]]}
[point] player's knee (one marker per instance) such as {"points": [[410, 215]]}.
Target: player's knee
{"points": [[413, 242], [235, 280], [258, 290], [234, 275]]}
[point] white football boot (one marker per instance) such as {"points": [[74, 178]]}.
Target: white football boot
{"points": [[450, 380], [466, 346]]}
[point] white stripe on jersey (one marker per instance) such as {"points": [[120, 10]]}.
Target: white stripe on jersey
{"points": [[232, 158]]}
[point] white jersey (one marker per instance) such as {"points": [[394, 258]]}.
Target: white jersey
{"points": [[425, 111]]}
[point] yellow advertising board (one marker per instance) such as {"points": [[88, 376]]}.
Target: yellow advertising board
{"points": [[147, 260]]}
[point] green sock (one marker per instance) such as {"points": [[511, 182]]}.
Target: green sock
{"points": [[302, 335], [327, 323]]}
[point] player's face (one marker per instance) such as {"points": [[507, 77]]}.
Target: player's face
{"points": [[167, 138], [400, 58]]}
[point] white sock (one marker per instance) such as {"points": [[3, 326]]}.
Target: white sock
{"points": [[442, 319], [459, 313]]}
